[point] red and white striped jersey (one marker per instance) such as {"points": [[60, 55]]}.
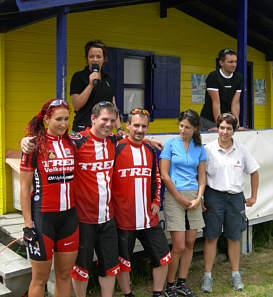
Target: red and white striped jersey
{"points": [[136, 185], [53, 177], [93, 177]]}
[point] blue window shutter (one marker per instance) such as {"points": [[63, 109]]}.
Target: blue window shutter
{"points": [[114, 67], [166, 87]]}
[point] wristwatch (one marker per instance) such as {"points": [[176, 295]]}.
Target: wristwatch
{"points": [[201, 197]]}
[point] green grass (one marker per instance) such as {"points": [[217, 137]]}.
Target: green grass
{"points": [[256, 270]]}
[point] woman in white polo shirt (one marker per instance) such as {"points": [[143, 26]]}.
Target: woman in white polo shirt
{"points": [[227, 161]]}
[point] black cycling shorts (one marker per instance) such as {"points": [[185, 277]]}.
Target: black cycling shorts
{"points": [[153, 240], [57, 232], [103, 238]]}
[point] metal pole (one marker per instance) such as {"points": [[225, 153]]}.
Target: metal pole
{"points": [[242, 56], [61, 54]]}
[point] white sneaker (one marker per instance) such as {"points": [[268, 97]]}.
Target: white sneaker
{"points": [[237, 283], [207, 283]]}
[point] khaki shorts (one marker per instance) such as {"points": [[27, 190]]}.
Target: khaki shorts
{"points": [[175, 214]]}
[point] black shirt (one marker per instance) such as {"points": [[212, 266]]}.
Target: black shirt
{"points": [[226, 87], [103, 91]]}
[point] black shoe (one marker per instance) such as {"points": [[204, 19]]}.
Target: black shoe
{"points": [[184, 290], [170, 291]]}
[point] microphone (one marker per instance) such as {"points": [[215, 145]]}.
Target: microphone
{"points": [[95, 68]]}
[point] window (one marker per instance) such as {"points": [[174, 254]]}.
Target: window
{"points": [[142, 79], [134, 83]]}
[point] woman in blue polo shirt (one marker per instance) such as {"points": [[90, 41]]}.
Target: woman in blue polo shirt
{"points": [[182, 165]]}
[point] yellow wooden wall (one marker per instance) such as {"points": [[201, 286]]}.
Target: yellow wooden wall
{"points": [[30, 60], [3, 199]]}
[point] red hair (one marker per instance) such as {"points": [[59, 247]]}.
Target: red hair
{"points": [[37, 128]]}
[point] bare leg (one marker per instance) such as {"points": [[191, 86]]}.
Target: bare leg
{"points": [[209, 253], [178, 246], [63, 263], [40, 275], [234, 254], [107, 284], [79, 287], [159, 277], [186, 257], [124, 282]]}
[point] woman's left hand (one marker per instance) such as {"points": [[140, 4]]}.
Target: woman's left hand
{"points": [[195, 203], [250, 201]]}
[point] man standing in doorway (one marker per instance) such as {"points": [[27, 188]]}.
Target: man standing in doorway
{"points": [[223, 90], [136, 200]]}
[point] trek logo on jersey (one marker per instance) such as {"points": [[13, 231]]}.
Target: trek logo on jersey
{"points": [[58, 165], [97, 166], [51, 155], [135, 172]]}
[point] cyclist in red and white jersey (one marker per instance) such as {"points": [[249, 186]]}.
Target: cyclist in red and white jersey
{"points": [[51, 224], [93, 179], [136, 201]]}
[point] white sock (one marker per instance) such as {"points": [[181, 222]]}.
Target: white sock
{"points": [[207, 274], [235, 273]]}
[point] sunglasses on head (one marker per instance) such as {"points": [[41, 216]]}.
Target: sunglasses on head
{"points": [[140, 110], [103, 103], [97, 43], [188, 113], [57, 102], [228, 50], [226, 115]]}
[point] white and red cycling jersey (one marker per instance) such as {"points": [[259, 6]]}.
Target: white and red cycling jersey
{"points": [[52, 177], [136, 185], [93, 176]]}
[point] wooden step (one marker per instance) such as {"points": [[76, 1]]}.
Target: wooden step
{"points": [[4, 291], [15, 271]]}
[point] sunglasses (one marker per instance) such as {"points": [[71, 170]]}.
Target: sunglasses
{"points": [[228, 115], [228, 50], [57, 102], [140, 110], [189, 113], [103, 103]]}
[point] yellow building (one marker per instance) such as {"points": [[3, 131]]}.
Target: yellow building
{"points": [[28, 64]]}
